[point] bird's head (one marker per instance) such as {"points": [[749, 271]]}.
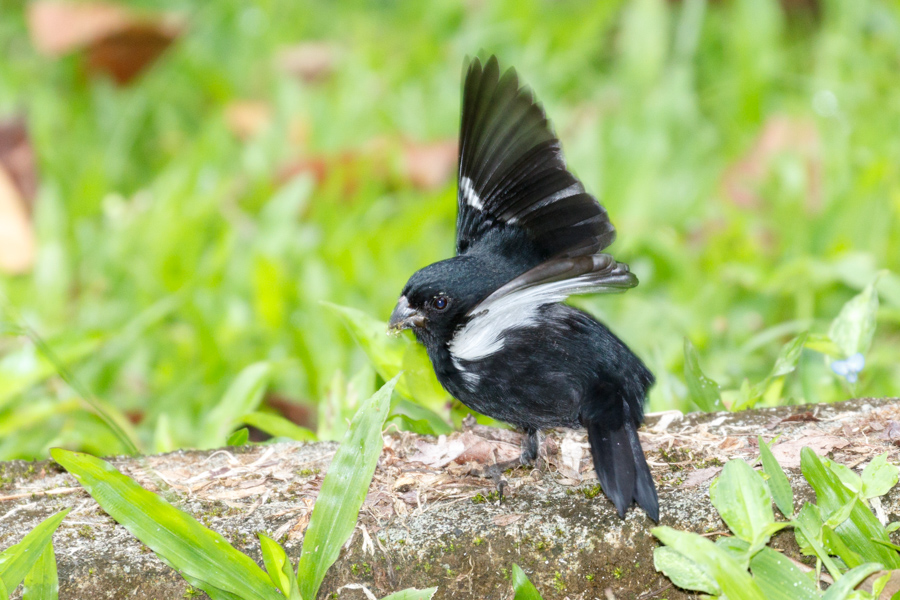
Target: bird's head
{"points": [[436, 299]]}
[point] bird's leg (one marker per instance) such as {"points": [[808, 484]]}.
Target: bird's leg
{"points": [[531, 446], [529, 454]]}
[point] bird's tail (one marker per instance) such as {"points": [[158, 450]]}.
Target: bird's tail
{"points": [[621, 466]]}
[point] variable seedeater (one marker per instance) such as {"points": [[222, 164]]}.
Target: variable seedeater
{"points": [[492, 318]]}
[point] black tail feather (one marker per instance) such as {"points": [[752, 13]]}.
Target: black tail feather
{"points": [[621, 467]]}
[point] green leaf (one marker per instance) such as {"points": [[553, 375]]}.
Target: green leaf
{"points": [[735, 582], [278, 426], [851, 480], [385, 351], [842, 588], [879, 477], [390, 355], [780, 579], [861, 527], [412, 594], [242, 396], [823, 344], [4, 593], [422, 417], [704, 391], [279, 567], [238, 438], [841, 514], [684, 572], [744, 502], [522, 587], [27, 367], [778, 482], [343, 491], [853, 328], [16, 561], [788, 357], [809, 531], [201, 555], [42, 582]]}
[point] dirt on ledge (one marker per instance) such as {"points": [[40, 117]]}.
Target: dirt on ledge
{"points": [[428, 522]]}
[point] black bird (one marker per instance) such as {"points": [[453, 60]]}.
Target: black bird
{"points": [[492, 319]]}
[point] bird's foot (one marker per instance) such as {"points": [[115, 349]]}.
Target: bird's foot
{"points": [[495, 472], [531, 447]]}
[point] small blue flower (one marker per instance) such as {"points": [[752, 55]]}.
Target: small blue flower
{"points": [[850, 368]]}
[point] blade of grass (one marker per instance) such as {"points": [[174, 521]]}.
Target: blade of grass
{"points": [[201, 555], [780, 579], [522, 586], [743, 501], [704, 391], [279, 567], [778, 482], [684, 572], [735, 582], [862, 526], [843, 586], [278, 426], [343, 491], [16, 561], [42, 582], [242, 396]]}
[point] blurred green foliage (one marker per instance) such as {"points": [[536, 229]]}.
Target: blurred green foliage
{"points": [[747, 155]]}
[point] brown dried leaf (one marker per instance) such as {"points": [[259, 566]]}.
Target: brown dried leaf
{"points": [[18, 249], [780, 134], [893, 432], [308, 61], [429, 166], [125, 54], [788, 453], [118, 42], [480, 450], [17, 158], [58, 28], [504, 520], [700, 476]]}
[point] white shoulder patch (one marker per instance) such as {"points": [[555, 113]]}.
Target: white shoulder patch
{"points": [[483, 334], [469, 194]]}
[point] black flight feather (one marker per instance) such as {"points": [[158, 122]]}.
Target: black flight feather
{"points": [[512, 173]]}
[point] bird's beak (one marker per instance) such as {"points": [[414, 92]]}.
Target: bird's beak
{"points": [[404, 317]]}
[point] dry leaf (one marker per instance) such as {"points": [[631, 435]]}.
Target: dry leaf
{"points": [[308, 61], [118, 42], [700, 476], [504, 520], [742, 180], [17, 158], [571, 452], [17, 250], [431, 165], [125, 54], [788, 453]]}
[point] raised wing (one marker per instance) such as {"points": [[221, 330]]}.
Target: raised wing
{"points": [[517, 304], [512, 174]]}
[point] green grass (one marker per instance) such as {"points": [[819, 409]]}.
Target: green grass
{"points": [[171, 256]]}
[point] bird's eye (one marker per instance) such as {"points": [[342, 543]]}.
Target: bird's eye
{"points": [[440, 302]]}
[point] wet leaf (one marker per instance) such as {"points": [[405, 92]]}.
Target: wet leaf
{"points": [[704, 391], [523, 588], [343, 491], [201, 555], [854, 326], [684, 572]]}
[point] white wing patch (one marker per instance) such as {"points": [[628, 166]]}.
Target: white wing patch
{"points": [[469, 194], [483, 334]]}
